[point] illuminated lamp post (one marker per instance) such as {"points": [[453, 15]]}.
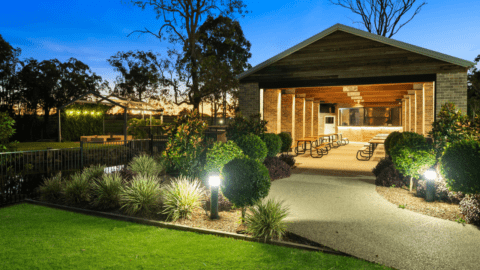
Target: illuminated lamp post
{"points": [[214, 181], [430, 175]]}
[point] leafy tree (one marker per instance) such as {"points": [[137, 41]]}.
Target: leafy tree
{"points": [[10, 65], [382, 17], [51, 83], [223, 52], [6, 130], [474, 90], [140, 74], [412, 155], [181, 22]]}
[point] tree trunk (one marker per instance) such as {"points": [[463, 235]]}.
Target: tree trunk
{"points": [[411, 184], [243, 214]]}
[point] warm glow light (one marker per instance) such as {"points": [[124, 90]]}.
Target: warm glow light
{"points": [[214, 180], [430, 174]]}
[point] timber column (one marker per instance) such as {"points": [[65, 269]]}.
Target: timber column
{"points": [[316, 110], [308, 117], [299, 116], [249, 99], [288, 112]]}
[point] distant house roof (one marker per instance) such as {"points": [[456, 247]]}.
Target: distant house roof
{"points": [[364, 34]]}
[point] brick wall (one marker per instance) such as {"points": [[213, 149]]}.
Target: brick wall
{"points": [[451, 87], [299, 116], [287, 113], [364, 134], [249, 99], [270, 109], [308, 117], [429, 99]]}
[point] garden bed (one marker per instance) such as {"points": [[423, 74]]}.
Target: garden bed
{"points": [[438, 209]]}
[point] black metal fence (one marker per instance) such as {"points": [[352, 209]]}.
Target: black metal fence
{"points": [[21, 173]]}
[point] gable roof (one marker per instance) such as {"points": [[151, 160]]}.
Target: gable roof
{"points": [[364, 34]]}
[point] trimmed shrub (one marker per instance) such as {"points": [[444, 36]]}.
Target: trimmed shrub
{"points": [[391, 140], [286, 141], [461, 166], [470, 208], [246, 181], [145, 165], [51, 189], [456, 197], [290, 160], [78, 189], [381, 165], [277, 169], [273, 143], [107, 191], [94, 172], [242, 126], [388, 177], [141, 196], [181, 197], [253, 147], [267, 220], [220, 154]]}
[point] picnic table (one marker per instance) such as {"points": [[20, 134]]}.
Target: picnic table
{"points": [[320, 148], [366, 152]]}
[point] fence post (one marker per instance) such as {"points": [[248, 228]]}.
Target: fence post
{"points": [[81, 155]]}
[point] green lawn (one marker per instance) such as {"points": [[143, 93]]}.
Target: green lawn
{"points": [[27, 146], [37, 237]]}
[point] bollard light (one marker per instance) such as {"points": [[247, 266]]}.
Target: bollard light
{"points": [[214, 181], [430, 175]]}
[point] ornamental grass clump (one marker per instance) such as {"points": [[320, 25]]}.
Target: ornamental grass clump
{"points": [[145, 165], [106, 191], [141, 196], [51, 189], [267, 220], [94, 172], [78, 189], [181, 197]]}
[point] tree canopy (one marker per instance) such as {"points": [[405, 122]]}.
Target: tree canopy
{"points": [[180, 26], [10, 65]]}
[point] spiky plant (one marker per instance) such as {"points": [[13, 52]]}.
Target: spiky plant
{"points": [[51, 189], [94, 172], [181, 197], [106, 191], [141, 195], [267, 220], [78, 189], [145, 165]]}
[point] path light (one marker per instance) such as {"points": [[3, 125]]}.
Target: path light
{"points": [[214, 181], [431, 175]]}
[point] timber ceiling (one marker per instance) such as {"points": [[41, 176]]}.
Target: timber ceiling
{"points": [[378, 95]]}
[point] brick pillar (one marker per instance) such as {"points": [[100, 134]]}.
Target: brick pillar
{"points": [[315, 117], [299, 116], [451, 87], [288, 112], [249, 99], [419, 111], [308, 117], [271, 109], [429, 105]]}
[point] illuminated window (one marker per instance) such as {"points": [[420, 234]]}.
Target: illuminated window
{"points": [[378, 116]]}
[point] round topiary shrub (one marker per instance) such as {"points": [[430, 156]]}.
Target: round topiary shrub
{"points": [[220, 154], [252, 146], [246, 181], [273, 142], [286, 141], [470, 208], [461, 166], [391, 140]]}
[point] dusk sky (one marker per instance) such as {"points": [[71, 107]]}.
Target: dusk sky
{"points": [[92, 31]]}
